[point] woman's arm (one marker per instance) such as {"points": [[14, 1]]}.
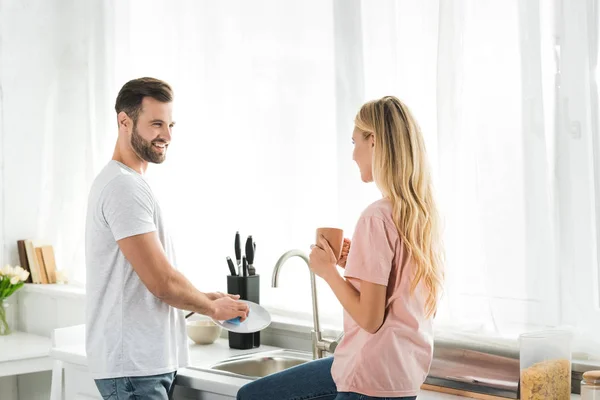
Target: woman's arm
{"points": [[367, 307]]}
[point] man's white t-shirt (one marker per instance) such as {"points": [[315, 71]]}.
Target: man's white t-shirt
{"points": [[129, 332]]}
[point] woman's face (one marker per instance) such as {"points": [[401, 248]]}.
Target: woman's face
{"points": [[363, 154]]}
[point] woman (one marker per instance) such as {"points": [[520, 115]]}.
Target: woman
{"points": [[393, 274]]}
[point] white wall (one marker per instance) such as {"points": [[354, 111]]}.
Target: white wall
{"points": [[48, 121]]}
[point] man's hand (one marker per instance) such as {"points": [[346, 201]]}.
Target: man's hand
{"points": [[218, 295], [225, 308]]}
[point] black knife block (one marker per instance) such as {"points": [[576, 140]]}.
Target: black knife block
{"points": [[248, 287]]}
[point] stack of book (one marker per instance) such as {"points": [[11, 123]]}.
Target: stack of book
{"points": [[39, 261]]}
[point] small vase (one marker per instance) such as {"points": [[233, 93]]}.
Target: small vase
{"points": [[5, 320]]}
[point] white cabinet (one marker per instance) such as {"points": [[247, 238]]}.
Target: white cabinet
{"points": [[184, 393], [79, 384], [24, 366]]}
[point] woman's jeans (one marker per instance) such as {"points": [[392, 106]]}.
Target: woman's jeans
{"points": [[308, 381]]}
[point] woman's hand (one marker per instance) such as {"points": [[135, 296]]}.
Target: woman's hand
{"points": [[345, 251], [322, 260]]}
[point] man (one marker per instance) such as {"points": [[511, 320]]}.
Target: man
{"points": [[135, 329]]}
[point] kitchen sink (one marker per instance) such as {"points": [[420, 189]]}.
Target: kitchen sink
{"points": [[258, 365]]}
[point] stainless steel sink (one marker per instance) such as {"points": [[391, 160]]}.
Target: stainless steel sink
{"points": [[258, 365]]}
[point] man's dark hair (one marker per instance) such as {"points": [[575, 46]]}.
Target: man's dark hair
{"points": [[133, 92]]}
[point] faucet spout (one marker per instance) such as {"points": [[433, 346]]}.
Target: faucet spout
{"points": [[320, 346], [313, 284]]}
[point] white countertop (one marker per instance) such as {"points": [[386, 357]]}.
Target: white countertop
{"points": [[22, 346], [203, 357], [23, 353]]}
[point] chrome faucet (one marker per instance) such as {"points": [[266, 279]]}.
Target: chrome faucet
{"points": [[320, 346]]}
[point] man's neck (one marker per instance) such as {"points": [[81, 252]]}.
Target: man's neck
{"points": [[131, 160]]}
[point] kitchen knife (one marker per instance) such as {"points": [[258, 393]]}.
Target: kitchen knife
{"points": [[250, 255], [244, 266], [250, 250], [231, 266], [238, 252], [253, 270]]}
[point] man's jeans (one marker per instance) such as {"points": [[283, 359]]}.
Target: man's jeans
{"points": [[155, 387]]}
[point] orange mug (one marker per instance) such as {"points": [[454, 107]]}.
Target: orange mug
{"points": [[335, 238]]}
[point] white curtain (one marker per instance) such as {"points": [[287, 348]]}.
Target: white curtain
{"points": [[472, 72], [495, 170], [517, 149], [255, 145], [265, 95], [578, 172]]}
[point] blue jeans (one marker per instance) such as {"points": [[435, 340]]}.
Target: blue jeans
{"points": [[155, 387], [309, 381]]}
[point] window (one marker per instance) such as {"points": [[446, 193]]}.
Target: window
{"points": [[265, 98]]}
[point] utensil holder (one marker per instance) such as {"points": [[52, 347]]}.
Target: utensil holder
{"points": [[248, 287]]}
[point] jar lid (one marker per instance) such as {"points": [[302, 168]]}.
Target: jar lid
{"points": [[592, 377]]}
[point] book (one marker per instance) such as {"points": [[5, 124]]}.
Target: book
{"points": [[33, 262], [49, 263], [23, 259], [42, 266]]}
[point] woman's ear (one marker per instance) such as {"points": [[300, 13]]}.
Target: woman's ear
{"points": [[372, 140]]}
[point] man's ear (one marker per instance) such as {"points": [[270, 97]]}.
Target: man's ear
{"points": [[123, 120]]}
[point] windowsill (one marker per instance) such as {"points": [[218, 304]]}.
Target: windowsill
{"points": [[293, 326]]}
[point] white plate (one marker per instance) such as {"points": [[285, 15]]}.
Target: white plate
{"points": [[258, 319]]}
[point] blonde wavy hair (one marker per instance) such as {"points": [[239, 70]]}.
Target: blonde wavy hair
{"points": [[402, 174]]}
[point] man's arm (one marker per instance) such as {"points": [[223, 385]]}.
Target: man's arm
{"points": [[146, 255]]}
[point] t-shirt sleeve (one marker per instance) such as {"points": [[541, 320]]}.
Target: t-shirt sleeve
{"points": [[127, 208], [372, 251]]}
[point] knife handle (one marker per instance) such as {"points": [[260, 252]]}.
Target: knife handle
{"points": [[250, 250], [244, 266], [238, 247], [231, 267]]}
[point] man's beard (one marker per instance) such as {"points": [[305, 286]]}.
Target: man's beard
{"points": [[144, 149]]}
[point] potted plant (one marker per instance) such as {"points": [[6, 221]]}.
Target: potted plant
{"points": [[11, 279]]}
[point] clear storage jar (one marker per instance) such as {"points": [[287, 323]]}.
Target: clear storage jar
{"points": [[545, 359]]}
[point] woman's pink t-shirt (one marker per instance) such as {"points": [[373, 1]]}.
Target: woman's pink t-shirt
{"points": [[394, 361]]}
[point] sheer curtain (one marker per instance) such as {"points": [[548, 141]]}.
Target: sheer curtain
{"points": [[495, 181], [577, 158], [477, 77], [265, 97], [266, 92], [517, 169], [255, 145]]}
